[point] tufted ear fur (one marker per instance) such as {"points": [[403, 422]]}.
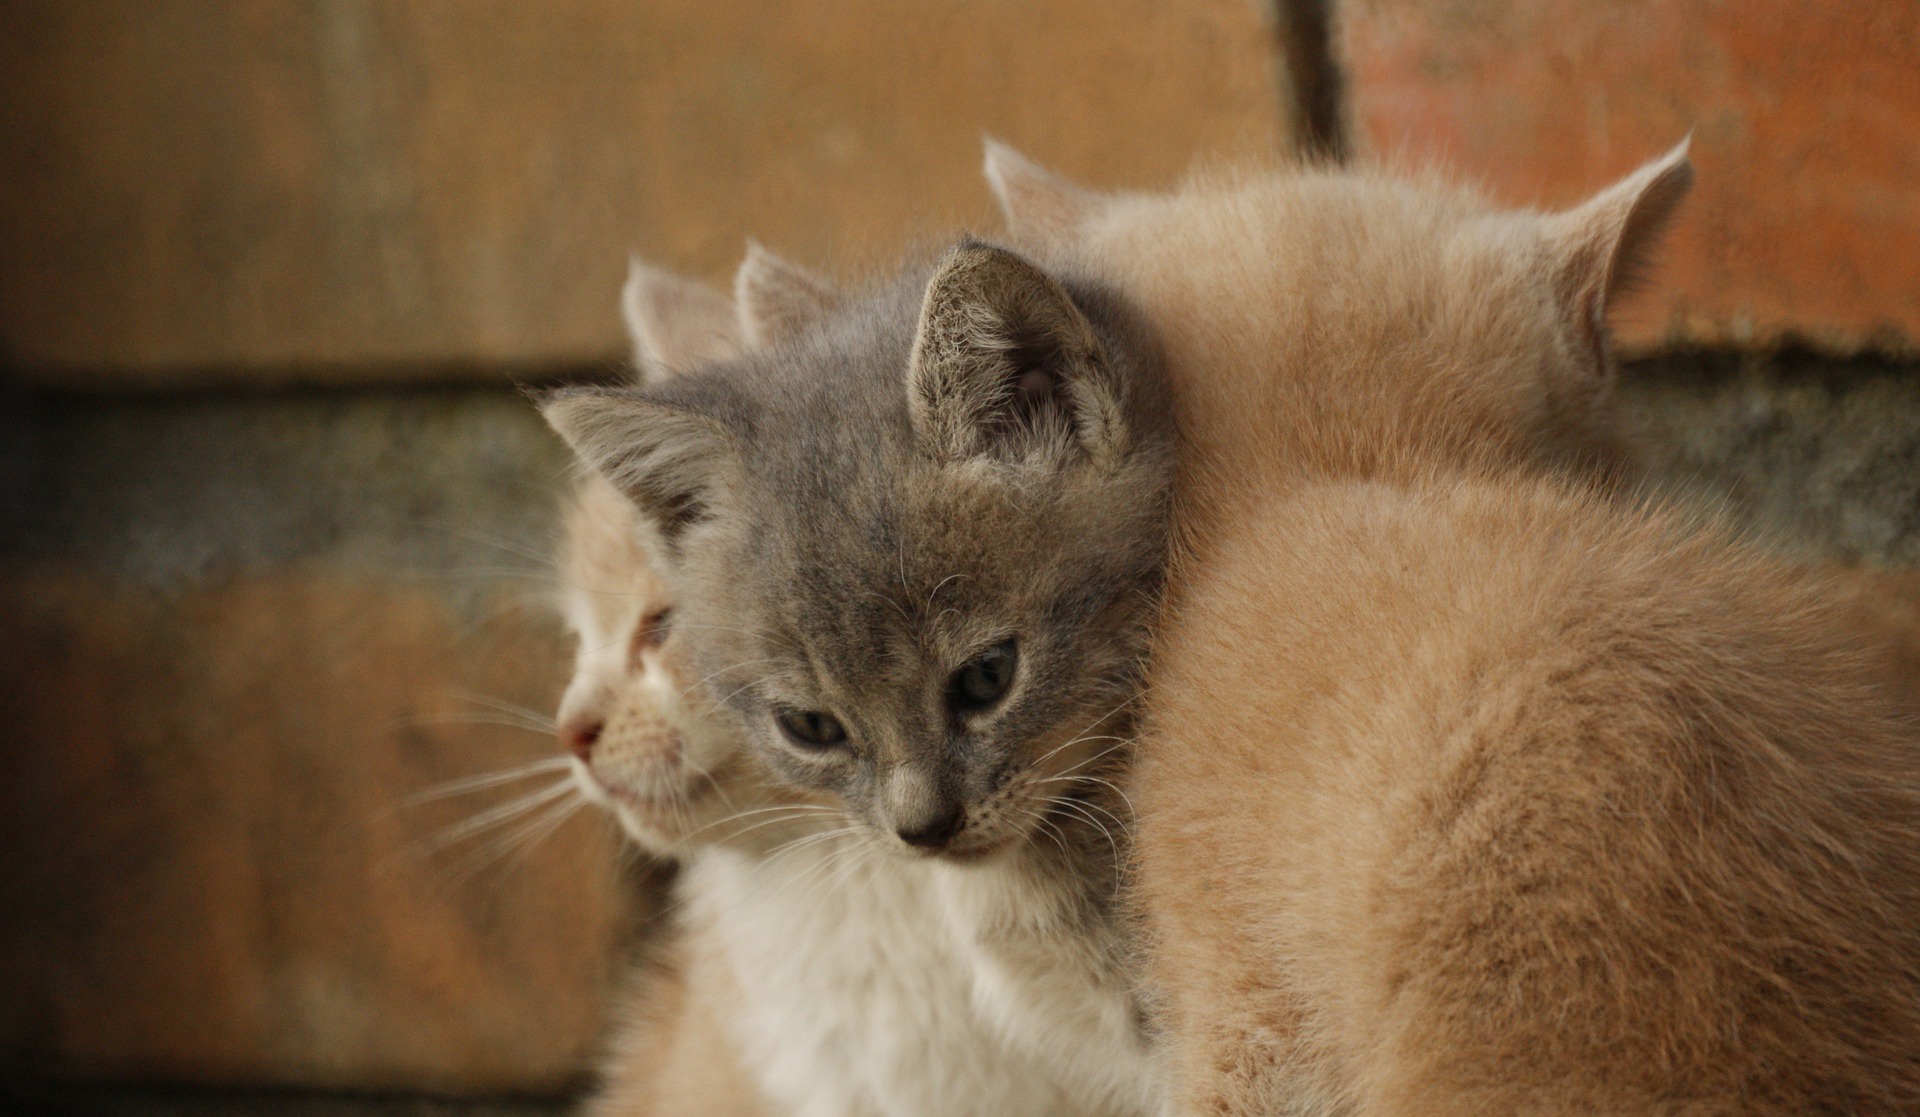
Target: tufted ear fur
{"points": [[1602, 248], [1041, 208], [1004, 365], [778, 298], [675, 323], [669, 460]]}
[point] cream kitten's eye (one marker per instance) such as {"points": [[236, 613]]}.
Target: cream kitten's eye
{"points": [[811, 728], [651, 633], [983, 682]]}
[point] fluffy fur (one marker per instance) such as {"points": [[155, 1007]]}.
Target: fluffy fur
{"points": [[1467, 785], [1469, 788], [807, 973]]}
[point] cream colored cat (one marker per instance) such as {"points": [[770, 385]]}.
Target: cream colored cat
{"points": [[806, 974], [1468, 788]]}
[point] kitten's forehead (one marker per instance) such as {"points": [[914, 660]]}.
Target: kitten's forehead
{"points": [[907, 545]]}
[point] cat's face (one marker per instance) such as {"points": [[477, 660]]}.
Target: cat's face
{"points": [[666, 768], [646, 742], [919, 535]]}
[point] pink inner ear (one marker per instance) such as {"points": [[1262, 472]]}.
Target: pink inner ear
{"points": [[1033, 386]]}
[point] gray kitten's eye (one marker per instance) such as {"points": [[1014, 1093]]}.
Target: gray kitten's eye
{"points": [[983, 682], [811, 728]]}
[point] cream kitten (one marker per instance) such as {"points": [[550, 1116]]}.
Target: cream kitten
{"points": [[1468, 790], [808, 975]]}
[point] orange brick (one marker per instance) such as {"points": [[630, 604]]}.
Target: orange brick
{"points": [[1806, 126], [212, 873], [264, 190]]}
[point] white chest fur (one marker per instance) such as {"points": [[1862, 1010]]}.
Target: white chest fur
{"points": [[897, 987], [1049, 987]]}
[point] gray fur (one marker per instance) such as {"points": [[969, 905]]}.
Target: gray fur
{"points": [[857, 511]]}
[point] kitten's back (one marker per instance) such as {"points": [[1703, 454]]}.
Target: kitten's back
{"points": [[1535, 805]]}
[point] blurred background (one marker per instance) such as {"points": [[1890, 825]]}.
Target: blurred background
{"points": [[274, 515]]}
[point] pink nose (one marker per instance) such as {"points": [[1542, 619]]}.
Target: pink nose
{"points": [[577, 737]]}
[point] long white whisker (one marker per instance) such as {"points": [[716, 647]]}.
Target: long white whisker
{"points": [[1045, 827], [942, 584], [521, 840], [722, 671], [729, 695], [491, 779], [501, 706], [425, 720], [1119, 743], [1075, 807], [787, 811], [1103, 783], [498, 815]]}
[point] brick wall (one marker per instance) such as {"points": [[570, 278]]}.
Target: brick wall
{"points": [[272, 514]]}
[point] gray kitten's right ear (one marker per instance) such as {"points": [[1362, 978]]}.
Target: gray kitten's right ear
{"points": [[1005, 366], [670, 461], [1041, 207], [778, 298], [675, 323]]}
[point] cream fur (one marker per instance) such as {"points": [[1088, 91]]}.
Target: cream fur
{"points": [[1469, 788]]}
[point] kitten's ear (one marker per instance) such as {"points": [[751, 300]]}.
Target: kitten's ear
{"points": [[778, 298], [673, 322], [1004, 365], [1041, 207], [670, 461], [1603, 247]]}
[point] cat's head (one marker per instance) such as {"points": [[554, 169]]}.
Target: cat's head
{"points": [[1344, 316], [915, 534], [646, 742]]}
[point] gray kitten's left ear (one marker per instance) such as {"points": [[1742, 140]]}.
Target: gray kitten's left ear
{"points": [[777, 297], [1006, 366]]}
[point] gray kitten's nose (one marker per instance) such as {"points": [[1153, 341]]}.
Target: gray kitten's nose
{"points": [[935, 832]]}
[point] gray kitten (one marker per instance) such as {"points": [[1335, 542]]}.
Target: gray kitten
{"points": [[916, 538], [921, 537]]}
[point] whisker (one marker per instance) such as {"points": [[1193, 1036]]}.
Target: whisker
{"points": [[1045, 827], [722, 671], [520, 841], [499, 705], [1119, 743], [1115, 788], [1118, 860], [788, 810], [760, 870], [497, 815], [897, 607], [422, 721], [528, 553], [940, 585], [859, 856], [491, 779], [737, 690]]}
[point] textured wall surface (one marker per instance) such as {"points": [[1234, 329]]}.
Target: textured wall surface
{"points": [[1806, 131], [237, 191], [247, 635]]}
